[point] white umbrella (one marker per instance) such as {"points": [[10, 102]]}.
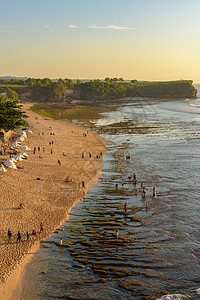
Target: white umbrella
{"points": [[19, 158], [11, 159], [25, 148], [24, 154], [19, 155], [2, 169], [10, 164], [15, 144], [20, 138], [23, 133], [30, 131]]}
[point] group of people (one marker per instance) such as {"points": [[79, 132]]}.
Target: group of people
{"points": [[19, 236], [143, 191], [90, 155]]}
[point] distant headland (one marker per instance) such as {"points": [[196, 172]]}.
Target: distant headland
{"points": [[67, 90]]}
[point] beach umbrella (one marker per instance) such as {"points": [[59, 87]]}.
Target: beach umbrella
{"points": [[25, 148], [20, 138], [30, 131], [2, 169], [23, 135], [13, 166], [24, 154], [11, 159], [10, 164], [19, 157], [16, 144]]}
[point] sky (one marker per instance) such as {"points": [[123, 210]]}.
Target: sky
{"points": [[90, 39]]}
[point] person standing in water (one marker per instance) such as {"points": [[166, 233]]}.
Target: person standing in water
{"points": [[144, 192], [154, 191], [142, 185], [117, 234], [125, 208]]}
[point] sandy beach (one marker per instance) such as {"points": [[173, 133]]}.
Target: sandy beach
{"points": [[49, 199]]}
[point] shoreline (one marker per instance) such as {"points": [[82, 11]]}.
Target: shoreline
{"points": [[48, 200]]}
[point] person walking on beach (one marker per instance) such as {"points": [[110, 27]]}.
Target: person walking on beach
{"points": [[41, 227], [61, 242], [51, 151], [18, 237], [27, 235], [59, 162], [9, 234]]}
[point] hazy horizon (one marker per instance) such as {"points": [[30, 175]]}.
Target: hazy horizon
{"points": [[144, 40]]}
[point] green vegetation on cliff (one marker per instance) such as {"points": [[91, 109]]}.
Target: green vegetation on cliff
{"points": [[112, 89], [168, 89], [47, 90]]}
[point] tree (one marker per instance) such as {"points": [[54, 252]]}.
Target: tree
{"points": [[69, 82], [134, 81], [31, 81], [46, 81], [11, 94], [78, 81], [11, 116], [107, 79], [61, 81]]}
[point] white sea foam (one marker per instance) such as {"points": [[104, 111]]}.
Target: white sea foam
{"points": [[173, 297]]}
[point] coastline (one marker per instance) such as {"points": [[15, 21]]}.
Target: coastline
{"points": [[49, 199]]}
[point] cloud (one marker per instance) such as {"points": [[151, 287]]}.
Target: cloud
{"points": [[113, 27], [73, 26], [7, 29], [48, 27]]}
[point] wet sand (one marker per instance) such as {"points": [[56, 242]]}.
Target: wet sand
{"points": [[49, 199]]}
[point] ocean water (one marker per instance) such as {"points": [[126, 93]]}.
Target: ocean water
{"points": [[157, 252]]}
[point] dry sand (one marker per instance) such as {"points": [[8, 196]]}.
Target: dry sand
{"points": [[47, 200]]}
